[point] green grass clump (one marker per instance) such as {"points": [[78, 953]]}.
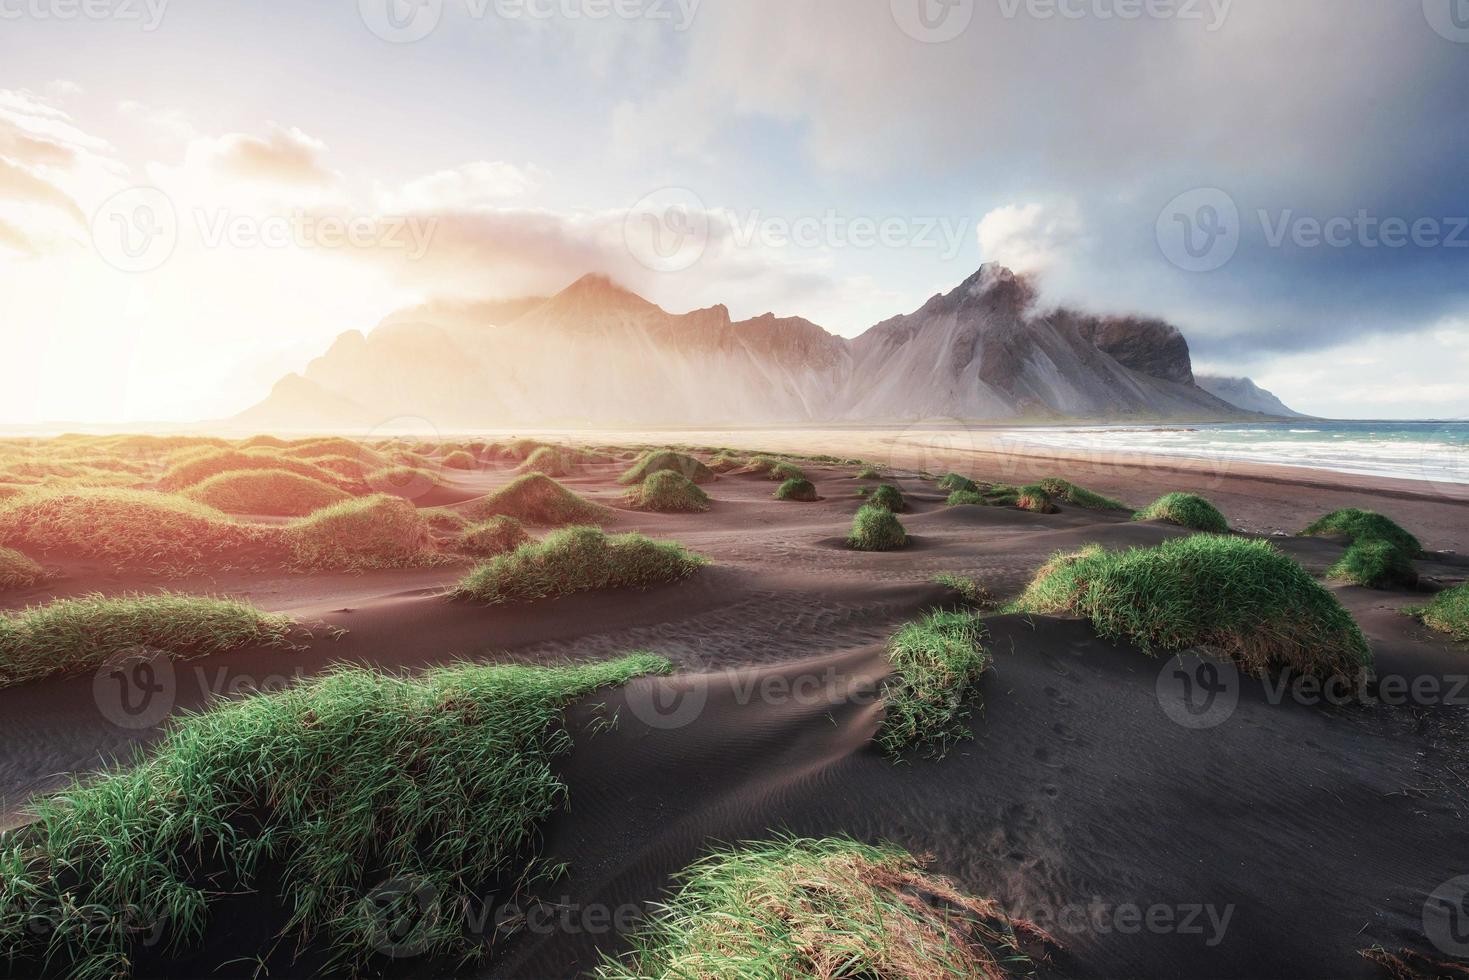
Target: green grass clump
{"points": [[521, 449], [726, 462], [785, 471], [1035, 499], [668, 492], [460, 459], [1355, 525], [968, 589], [888, 497], [444, 519], [1058, 489], [954, 483], [1186, 510], [17, 571], [832, 908], [1241, 599], [540, 501], [495, 536], [276, 493], [409, 480], [664, 460], [967, 498], [551, 460], [381, 531], [869, 473], [132, 530], [1374, 563], [577, 559], [937, 661], [876, 529], [70, 635], [342, 783], [797, 489], [1448, 612]]}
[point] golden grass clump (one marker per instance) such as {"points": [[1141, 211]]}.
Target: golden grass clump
{"points": [[133, 529], [538, 500], [17, 571], [197, 469], [381, 531], [275, 493]]}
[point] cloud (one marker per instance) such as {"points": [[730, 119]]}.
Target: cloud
{"points": [[282, 156], [1031, 237], [481, 183]]}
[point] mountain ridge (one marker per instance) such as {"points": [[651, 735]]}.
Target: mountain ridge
{"points": [[598, 352]]}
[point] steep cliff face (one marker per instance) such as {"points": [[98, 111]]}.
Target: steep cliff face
{"points": [[596, 352]]}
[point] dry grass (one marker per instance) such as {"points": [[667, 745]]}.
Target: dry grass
{"points": [[197, 469], [495, 536], [828, 909], [17, 571], [540, 501], [381, 531], [275, 493]]}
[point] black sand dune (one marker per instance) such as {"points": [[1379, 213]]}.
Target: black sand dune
{"points": [[1279, 841]]}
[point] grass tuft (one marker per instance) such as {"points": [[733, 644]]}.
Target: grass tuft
{"points": [[70, 635], [17, 571], [495, 536], [197, 468], [668, 492], [552, 461], [869, 473], [1374, 563], [381, 531], [577, 559], [937, 661], [1035, 499], [276, 493], [1186, 510], [460, 459], [657, 461], [876, 529], [1059, 489], [888, 497], [1241, 599], [1448, 612], [954, 483], [538, 500], [1355, 525], [823, 908], [970, 590], [342, 783], [797, 489]]}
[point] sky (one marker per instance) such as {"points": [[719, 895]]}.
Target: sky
{"points": [[197, 197]]}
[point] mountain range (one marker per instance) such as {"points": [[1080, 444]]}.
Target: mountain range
{"points": [[598, 354]]}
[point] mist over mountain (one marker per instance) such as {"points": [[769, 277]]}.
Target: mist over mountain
{"points": [[596, 353]]}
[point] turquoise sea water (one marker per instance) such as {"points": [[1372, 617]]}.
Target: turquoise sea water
{"points": [[1436, 452]]}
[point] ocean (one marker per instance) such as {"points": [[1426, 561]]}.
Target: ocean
{"points": [[1436, 452]]}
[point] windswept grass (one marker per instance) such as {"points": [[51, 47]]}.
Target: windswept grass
{"points": [[539, 500], [876, 529], [198, 468], [869, 473], [664, 460], [1374, 563], [17, 571], [342, 783], [888, 497], [409, 481], [521, 449], [1448, 612], [970, 590], [833, 908], [71, 635], [460, 459], [1035, 499], [726, 462], [668, 492], [937, 662], [552, 461], [1241, 599], [954, 483], [803, 491], [278, 493], [967, 498], [381, 531], [1186, 510], [1062, 490], [495, 536], [133, 529], [785, 471], [578, 559], [1356, 525]]}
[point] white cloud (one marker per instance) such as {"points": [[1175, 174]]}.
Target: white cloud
{"points": [[481, 183], [1031, 237]]}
